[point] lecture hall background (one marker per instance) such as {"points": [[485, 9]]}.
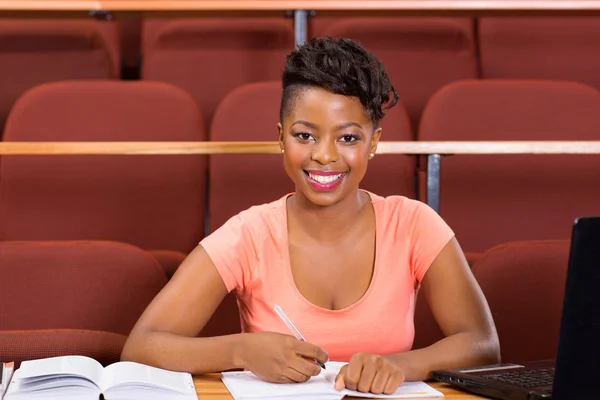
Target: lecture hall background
{"points": [[86, 241]]}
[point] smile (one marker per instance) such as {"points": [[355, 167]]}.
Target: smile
{"points": [[325, 182]]}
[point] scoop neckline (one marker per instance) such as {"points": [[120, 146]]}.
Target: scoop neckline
{"points": [[290, 275]]}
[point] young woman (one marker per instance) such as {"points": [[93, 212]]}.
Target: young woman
{"points": [[344, 264]]}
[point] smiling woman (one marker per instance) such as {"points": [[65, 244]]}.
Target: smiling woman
{"points": [[344, 263]]}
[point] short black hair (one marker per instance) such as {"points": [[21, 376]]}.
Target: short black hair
{"points": [[340, 66]]}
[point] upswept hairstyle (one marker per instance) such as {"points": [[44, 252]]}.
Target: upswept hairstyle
{"points": [[340, 66]]}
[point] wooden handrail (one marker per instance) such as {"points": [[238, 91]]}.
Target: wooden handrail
{"points": [[385, 147], [277, 5]]}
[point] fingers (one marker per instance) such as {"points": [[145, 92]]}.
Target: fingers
{"points": [[295, 376], [353, 373], [378, 385], [370, 373], [339, 379], [393, 382], [311, 351], [306, 367]]}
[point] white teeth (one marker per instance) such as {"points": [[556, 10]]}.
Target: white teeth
{"points": [[325, 179]]}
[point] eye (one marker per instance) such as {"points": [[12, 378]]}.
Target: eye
{"points": [[303, 136], [349, 138]]}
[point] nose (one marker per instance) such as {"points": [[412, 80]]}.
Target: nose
{"points": [[325, 152]]}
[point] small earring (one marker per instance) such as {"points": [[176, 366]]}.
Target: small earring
{"points": [[282, 151], [371, 155]]}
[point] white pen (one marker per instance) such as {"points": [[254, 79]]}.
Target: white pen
{"points": [[292, 328]]}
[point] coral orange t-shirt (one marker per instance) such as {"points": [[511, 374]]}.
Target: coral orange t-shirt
{"points": [[251, 253]]}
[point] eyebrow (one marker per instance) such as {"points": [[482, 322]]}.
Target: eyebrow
{"points": [[337, 127]]}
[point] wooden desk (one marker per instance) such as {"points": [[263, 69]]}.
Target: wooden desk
{"points": [[210, 387], [283, 5]]}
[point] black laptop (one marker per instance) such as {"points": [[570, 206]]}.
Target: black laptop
{"points": [[575, 374]]}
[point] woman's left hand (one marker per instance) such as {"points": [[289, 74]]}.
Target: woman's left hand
{"points": [[370, 373]]}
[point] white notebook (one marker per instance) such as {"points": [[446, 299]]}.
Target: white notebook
{"points": [[244, 385], [78, 377]]}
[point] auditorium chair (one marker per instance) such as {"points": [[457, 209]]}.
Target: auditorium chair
{"points": [[72, 297], [420, 54], [156, 202], [524, 284], [209, 57], [493, 199], [238, 181], [35, 51], [553, 48]]}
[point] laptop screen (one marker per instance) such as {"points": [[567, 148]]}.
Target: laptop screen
{"points": [[578, 356]]}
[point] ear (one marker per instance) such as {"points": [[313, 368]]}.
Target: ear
{"points": [[374, 141], [280, 132]]}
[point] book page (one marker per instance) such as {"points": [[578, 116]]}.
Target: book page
{"points": [[79, 366], [134, 374], [246, 385]]}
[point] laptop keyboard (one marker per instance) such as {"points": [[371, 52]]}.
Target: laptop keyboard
{"points": [[528, 378]]}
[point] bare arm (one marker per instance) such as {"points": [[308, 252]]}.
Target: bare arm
{"points": [[166, 334], [461, 311]]}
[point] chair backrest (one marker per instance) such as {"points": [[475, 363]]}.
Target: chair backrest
{"points": [[524, 284], [154, 202], [420, 54], [102, 286], [553, 48], [210, 57], [493, 199], [23, 345], [35, 51]]}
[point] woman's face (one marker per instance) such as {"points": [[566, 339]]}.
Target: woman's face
{"points": [[327, 140]]}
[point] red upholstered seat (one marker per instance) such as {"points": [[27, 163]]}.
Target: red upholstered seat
{"points": [[420, 54], [524, 284], [493, 199], [154, 202], [35, 51], [23, 345], [209, 57], [553, 48], [76, 285], [72, 297]]}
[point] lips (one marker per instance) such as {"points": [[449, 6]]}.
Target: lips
{"points": [[325, 180]]}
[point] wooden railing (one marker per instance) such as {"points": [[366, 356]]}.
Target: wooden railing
{"points": [[432, 150], [270, 5]]}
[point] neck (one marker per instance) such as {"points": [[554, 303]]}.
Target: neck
{"points": [[326, 223]]}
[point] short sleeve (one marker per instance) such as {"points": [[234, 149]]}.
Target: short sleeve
{"points": [[231, 249], [430, 234]]}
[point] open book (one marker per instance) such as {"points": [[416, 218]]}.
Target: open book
{"points": [[78, 377], [245, 386]]}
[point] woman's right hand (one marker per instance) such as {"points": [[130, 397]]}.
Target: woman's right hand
{"points": [[279, 358]]}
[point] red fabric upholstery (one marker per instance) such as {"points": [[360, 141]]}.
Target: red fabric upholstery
{"points": [[76, 285], [154, 202], [23, 345], [553, 48], [38, 51], [492, 199], [420, 54], [524, 285], [170, 260], [210, 57]]}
